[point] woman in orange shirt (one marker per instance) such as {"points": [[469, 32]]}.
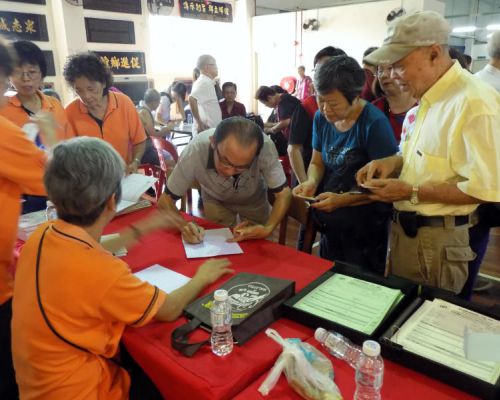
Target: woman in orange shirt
{"points": [[101, 113], [78, 296], [21, 171], [28, 100]]}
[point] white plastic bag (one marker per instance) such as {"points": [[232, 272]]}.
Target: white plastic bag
{"points": [[307, 370]]}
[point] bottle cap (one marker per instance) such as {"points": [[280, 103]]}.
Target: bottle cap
{"points": [[320, 334], [220, 295], [50, 204], [371, 348]]}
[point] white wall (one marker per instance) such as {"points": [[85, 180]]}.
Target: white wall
{"points": [[177, 42], [353, 28]]}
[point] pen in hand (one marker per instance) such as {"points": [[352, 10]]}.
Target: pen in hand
{"points": [[199, 231]]}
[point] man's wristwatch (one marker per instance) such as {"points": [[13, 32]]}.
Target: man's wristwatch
{"points": [[414, 195]]}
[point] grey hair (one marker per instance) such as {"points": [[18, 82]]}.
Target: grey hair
{"points": [[81, 175], [494, 45], [204, 60], [340, 73], [151, 95]]}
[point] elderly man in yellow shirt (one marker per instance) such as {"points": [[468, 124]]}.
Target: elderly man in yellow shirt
{"points": [[449, 161]]}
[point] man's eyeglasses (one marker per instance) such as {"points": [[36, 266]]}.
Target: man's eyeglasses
{"points": [[226, 163], [30, 74]]}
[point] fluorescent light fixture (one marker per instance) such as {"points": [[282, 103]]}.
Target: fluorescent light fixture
{"points": [[493, 27], [489, 35], [464, 29]]}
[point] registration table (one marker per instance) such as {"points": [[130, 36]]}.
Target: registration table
{"points": [[238, 375]]}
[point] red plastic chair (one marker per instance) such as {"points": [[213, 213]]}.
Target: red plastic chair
{"points": [[162, 146]]}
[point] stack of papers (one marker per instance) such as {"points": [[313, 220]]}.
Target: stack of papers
{"points": [[436, 331], [351, 302], [163, 278], [29, 222], [214, 244], [133, 186]]}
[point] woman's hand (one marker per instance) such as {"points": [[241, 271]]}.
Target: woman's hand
{"points": [[305, 189], [329, 201], [47, 126], [212, 270]]}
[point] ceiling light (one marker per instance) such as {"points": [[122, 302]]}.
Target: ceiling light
{"points": [[489, 35], [493, 27], [464, 29]]}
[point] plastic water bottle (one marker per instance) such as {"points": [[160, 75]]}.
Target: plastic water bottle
{"points": [[338, 346], [369, 372], [190, 119], [220, 315], [50, 211]]}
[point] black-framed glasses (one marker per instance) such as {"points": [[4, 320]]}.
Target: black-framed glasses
{"points": [[225, 162]]}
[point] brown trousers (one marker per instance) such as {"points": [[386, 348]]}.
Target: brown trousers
{"points": [[437, 256]]}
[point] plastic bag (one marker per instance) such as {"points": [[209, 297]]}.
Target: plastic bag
{"points": [[307, 370]]}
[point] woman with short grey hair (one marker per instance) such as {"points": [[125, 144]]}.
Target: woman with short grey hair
{"points": [[78, 296], [81, 177], [347, 133]]}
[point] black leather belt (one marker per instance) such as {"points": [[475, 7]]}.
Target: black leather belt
{"points": [[411, 221]]}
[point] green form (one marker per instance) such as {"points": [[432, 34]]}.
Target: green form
{"points": [[351, 302]]}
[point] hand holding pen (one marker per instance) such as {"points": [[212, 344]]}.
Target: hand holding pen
{"points": [[193, 233]]}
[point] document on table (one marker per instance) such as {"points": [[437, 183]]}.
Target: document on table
{"points": [[482, 345], [163, 278], [214, 244], [436, 331], [122, 251], [133, 186], [351, 302]]}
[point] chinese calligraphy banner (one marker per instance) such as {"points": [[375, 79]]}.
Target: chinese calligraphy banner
{"points": [[28, 1], [121, 6], [109, 31], [206, 10], [124, 62], [17, 25]]}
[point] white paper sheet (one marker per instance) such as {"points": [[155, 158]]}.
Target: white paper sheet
{"points": [[134, 185], [214, 244], [482, 345], [163, 278], [436, 331]]}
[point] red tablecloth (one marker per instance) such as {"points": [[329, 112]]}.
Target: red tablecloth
{"points": [[205, 376]]}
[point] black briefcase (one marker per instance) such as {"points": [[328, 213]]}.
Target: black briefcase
{"points": [[256, 302]]}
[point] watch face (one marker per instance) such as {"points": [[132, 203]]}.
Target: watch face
{"points": [[414, 196]]}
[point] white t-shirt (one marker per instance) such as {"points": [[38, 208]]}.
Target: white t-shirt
{"points": [[208, 104], [491, 75], [163, 109]]}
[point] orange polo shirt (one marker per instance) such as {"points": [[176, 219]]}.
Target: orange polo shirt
{"points": [[21, 171], [89, 297], [121, 126], [15, 112]]}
